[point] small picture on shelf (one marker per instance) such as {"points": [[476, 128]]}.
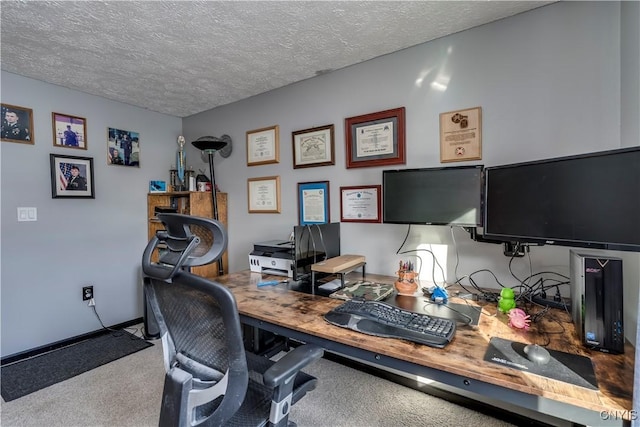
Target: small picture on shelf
{"points": [[157, 186]]}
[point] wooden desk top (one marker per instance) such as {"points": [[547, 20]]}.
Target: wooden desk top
{"points": [[464, 356]]}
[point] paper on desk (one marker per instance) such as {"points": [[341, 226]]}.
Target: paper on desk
{"points": [[332, 285]]}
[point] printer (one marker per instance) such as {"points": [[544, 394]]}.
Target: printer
{"points": [[273, 257]]}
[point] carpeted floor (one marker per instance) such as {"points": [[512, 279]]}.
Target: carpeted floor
{"points": [[26, 376], [128, 392]]}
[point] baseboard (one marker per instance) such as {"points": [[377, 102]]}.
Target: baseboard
{"points": [[16, 357]]}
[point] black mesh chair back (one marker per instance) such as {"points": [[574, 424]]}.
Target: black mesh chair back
{"points": [[210, 378]]}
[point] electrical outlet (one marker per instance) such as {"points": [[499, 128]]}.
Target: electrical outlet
{"points": [[87, 293]]}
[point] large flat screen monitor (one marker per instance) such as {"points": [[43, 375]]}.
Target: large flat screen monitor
{"points": [[433, 196], [590, 200]]}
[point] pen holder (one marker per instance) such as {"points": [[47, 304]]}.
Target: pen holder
{"points": [[407, 283]]}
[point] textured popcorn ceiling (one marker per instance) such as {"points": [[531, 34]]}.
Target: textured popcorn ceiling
{"points": [[181, 58]]}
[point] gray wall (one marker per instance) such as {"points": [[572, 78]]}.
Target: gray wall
{"points": [[548, 82], [75, 241]]}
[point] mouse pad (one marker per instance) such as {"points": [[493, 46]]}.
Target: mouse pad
{"points": [[569, 368]]}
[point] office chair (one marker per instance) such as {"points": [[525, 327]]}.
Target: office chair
{"points": [[210, 379]]}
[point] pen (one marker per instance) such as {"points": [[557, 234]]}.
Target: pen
{"points": [[271, 283]]}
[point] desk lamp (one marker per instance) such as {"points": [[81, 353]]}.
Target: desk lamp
{"points": [[209, 145]]}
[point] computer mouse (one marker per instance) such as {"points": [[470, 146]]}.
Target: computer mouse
{"points": [[536, 354]]}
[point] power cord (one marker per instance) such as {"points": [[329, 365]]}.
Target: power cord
{"points": [[114, 332]]}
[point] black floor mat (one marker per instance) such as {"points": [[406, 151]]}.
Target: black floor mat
{"points": [[27, 376]]}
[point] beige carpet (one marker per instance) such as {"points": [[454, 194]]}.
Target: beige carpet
{"points": [[127, 393]]}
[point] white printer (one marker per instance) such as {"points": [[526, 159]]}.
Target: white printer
{"points": [[273, 257]]}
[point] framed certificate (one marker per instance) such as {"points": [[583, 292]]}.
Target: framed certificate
{"points": [[361, 203], [313, 147], [263, 146], [313, 202], [461, 135], [376, 139], [264, 194]]}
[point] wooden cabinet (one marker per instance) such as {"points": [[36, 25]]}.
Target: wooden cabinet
{"points": [[196, 203]]}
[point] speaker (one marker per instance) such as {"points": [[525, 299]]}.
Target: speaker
{"points": [[596, 301]]}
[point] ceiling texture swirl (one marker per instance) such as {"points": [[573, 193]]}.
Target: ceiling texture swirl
{"points": [[184, 57]]}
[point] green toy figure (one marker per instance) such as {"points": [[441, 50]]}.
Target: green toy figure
{"points": [[507, 300]]}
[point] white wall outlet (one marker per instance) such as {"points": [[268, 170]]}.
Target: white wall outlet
{"points": [[27, 214]]}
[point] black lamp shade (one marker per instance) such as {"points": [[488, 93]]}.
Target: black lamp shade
{"points": [[209, 143]]}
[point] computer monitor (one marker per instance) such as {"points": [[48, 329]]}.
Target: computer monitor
{"points": [[589, 200], [314, 243], [433, 196]]}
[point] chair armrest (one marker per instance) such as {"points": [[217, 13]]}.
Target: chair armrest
{"points": [[290, 364]]}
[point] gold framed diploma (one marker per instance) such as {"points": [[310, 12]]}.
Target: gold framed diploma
{"points": [[264, 194], [361, 203], [263, 146], [461, 135]]}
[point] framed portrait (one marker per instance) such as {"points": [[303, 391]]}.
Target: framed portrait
{"points": [[71, 177], [313, 147], [17, 124], [361, 203], [313, 203], [264, 194], [263, 146], [123, 147], [461, 135], [376, 139], [69, 131], [157, 186]]}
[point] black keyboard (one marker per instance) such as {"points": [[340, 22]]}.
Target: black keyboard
{"points": [[384, 320]]}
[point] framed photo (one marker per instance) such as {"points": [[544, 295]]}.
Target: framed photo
{"points": [[263, 146], [264, 194], [313, 147], [123, 147], [461, 135], [157, 186], [376, 139], [313, 203], [17, 124], [361, 203], [71, 177], [69, 131]]}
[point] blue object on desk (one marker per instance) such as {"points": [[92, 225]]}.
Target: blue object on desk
{"points": [[271, 283], [440, 295]]}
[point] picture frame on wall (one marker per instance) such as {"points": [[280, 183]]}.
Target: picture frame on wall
{"points": [[263, 146], [263, 194], [313, 147], [461, 135], [362, 203], [376, 139], [17, 124], [69, 131], [71, 177], [123, 147], [313, 203]]}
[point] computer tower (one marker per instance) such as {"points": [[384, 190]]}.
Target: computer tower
{"points": [[596, 301]]}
